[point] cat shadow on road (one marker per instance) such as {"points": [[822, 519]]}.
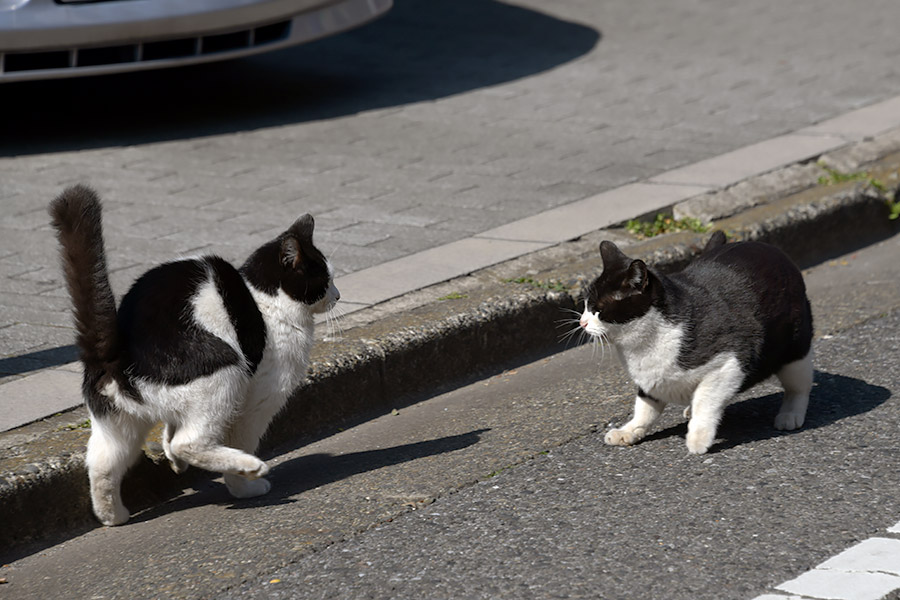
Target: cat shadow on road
{"points": [[303, 473], [834, 397]]}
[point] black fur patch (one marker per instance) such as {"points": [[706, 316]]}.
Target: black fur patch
{"points": [[763, 298], [242, 310], [624, 291], [290, 263], [160, 341]]}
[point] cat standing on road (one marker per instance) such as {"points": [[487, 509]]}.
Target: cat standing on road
{"points": [[210, 350], [735, 316]]}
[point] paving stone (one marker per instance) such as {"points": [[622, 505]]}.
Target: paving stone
{"points": [[36, 396]]}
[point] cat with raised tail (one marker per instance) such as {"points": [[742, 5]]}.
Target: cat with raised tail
{"points": [[209, 350], [733, 317]]}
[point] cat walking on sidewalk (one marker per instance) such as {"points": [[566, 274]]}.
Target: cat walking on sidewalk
{"points": [[211, 351]]}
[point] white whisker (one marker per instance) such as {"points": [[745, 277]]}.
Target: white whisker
{"points": [[334, 251], [335, 327]]}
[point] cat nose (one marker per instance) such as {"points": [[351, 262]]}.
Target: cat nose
{"points": [[583, 323]]}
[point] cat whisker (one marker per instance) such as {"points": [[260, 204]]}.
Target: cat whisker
{"points": [[333, 320], [576, 333], [570, 335], [334, 251], [605, 345]]}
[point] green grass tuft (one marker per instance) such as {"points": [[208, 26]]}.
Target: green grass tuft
{"points": [[453, 296], [664, 223]]}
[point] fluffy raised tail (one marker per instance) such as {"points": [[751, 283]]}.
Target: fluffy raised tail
{"points": [[76, 217]]}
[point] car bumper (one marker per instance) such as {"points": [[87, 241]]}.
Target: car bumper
{"points": [[40, 39]]}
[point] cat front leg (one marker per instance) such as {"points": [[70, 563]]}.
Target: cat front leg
{"points": [[200, 446], [708, 403], [245, 434], [646, 412], [178, 465]]}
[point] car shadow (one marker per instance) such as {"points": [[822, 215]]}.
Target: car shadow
{"points": [[834, 397], [311, 471], [421, 50]]}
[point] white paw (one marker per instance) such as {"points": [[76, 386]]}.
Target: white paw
{"points": [[788, 421], [178, 465], [252, 468], [240, 487], [699, 440], [622, 437], [111, 516]]}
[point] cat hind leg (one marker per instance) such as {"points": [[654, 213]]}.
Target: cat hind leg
{"points": [[646, 412], [114, 446], [797, 380]]}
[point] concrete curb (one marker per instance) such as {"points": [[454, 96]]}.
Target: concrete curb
{"points": [[461, 329]]}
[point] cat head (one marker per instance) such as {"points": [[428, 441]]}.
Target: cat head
{"points": [[292, 263], [624, 291]]}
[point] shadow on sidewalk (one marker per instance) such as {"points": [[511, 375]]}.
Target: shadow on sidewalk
{"points": [[35, 361], [834, 397], [421, 50], [304, 473]]}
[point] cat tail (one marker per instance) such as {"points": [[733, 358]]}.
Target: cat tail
{"points": [[716, 239], [76, 217]]}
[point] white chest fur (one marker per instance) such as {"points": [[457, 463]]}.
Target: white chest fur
{"points": [[649, 349], [289, 339]]}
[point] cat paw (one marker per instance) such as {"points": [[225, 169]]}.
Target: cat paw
{"points": [[622, 437], [788, 421], [240, 487], [257, 470], [699, 440], [178, 465], [112, 515]]}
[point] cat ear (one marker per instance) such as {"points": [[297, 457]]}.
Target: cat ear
{"points": [[716, 239], [637, 275], [303, 227], [611, 254], [290, 252]]}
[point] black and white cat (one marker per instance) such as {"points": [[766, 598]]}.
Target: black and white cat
{"points": [[735, 316], [209, 350]]}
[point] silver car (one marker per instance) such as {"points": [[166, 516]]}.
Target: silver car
{"points": [[45, 39]]}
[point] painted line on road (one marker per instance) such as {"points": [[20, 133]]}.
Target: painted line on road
{"points": [[870, 570]]}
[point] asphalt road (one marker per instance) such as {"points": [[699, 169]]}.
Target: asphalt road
{"points": [[504, 489]]}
